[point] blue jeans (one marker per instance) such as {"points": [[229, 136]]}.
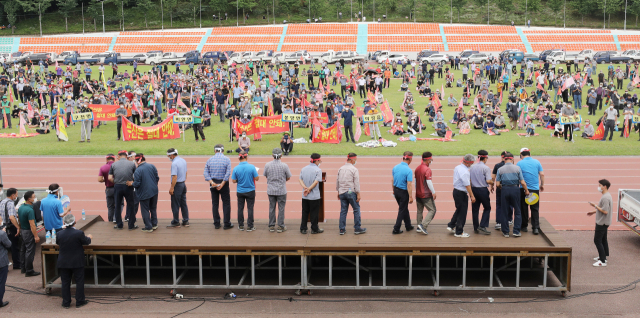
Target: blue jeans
{"points": [[346, 199], [577, 101], [510, 200]]}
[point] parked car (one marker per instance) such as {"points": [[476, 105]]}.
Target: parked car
{"points": [[60, 57], [298, 57], [426, 53], [396, 57], [117, 58], [630, 53], [78, 58], [35, 58], [141, 58], [435, 58], [545, 53], [192, 57], [476, 58], [169, 58], [610, 57], [264, 55], [520, 56]]}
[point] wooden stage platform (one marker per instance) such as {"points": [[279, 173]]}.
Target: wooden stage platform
{"points": [[202, 257]]}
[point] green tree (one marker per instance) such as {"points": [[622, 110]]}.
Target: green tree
{"points": [[634, 9], [584, 7], [555, 6], [221, 6], [607, 7], [144, 7], [38, 6], [195, 5], [11, 8], [94, 11], [431, 4], [66, 7], [482, 7], [458, 4], [120, 7], [387, 5], [170, 5], [507, 7]]}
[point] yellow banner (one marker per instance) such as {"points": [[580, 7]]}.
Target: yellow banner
{"points": [[575, 119], [81, 116]]}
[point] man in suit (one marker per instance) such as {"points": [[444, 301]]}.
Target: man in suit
{"points": [[71, 260]]}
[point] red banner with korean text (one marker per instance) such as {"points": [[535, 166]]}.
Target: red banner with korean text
{"points": [[331, 135], [104, 112], [599, 134], [263, 125], [386, 112], [164, 130]]}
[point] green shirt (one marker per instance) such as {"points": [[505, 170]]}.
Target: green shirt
{"points": [[26, 213], [6, 106], [196, 112]]}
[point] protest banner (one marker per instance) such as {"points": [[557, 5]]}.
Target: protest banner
{"points": [[263, 125], [291, 118], [104, 112], [76, 117], [567, 120], [372, 118], [599, 134], [386, 111], [635, 119], [182, 119], [164, 130], [331, 135]]}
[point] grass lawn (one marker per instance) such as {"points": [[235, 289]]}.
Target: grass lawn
{"points": [[103, 140]]}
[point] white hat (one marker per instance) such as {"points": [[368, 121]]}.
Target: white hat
{"points": [[524, 149]]}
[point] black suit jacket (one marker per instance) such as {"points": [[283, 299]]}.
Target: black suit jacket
{"points": [[71, 254]]}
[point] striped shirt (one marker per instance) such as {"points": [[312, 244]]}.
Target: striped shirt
{"points": [[509, 175], [217, 167], [348, 179], [8, 209], [277, 173]]}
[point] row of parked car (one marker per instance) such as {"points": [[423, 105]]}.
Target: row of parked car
{"points": [[230, 57]]}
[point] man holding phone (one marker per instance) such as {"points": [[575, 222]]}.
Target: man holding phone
{"points": [[603, 220]]}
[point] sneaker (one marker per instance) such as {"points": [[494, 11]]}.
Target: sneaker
{"points": [[599, 264], [517, 234], [155, 227], [360, 231], [598, 258], [484, 231], [498, 226], [126, 220], [185, 223], [228, 227], [147, 230], [272, 229], [173, 226], [216, 226], [422, 230], [463, 235], [303, 231], [410, 228], [524, 229], [397, 232], [118, 228], [133, 228], [343, 232], [31, 274], [510, 222], [449, 229], [505, 234], [281, 229], [251, 228], [241, 227], [317, 232]]}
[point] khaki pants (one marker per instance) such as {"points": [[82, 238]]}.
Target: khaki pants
{"points": [[431, 208]]}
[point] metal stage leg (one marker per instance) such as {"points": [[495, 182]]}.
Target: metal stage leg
{"points": [[148, 270], [464, 271], [438, 270], [280, 271], [122, 270], [384, 270], [226, 267], [253, 270], [330, 270], [200, 268], [518, 273], [95, 269], [173, 264], [357, 271], [410, 268], [544, 280], [491, 273]]}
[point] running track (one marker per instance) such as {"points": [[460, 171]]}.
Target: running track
{"points": [[570, 183]]}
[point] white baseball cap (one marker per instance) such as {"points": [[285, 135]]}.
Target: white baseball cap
{"points": [[524, 149]]}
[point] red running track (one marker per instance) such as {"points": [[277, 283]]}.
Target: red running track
{"points": [[570, 183]]}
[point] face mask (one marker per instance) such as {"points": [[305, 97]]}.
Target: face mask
{"points": [[319, 165], [1, 192], [600, 189]]}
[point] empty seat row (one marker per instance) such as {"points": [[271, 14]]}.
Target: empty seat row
{"points": [[243, 39], [320, 39], [61, 48], [405, 39], [322, 29], [246, 30], [570, 38], [404, 28], [152, 39], [487, 29], [483, 38], [66, 40]]}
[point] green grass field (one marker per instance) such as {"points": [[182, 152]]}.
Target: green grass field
{"points": [[103, 140]]}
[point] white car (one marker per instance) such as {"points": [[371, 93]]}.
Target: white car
{"points": [[393, 58], [277, 57], [476, 58], [5, 57], [435, 58]]}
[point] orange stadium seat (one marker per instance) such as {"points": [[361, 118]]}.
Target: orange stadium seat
{"points": [[483, 38], [404, 28], [487, 29], [146, 48], [630, 46], [61, 48], [405, 39], [240, 48], [322, 29], [625, 38], [320, 39], [257, 30], [162, 33], [563, 31], [537, 47], [318, 48], [67, 40], [569, 38], [158, 40], [405, 47], [243, 39], [457, 47]]}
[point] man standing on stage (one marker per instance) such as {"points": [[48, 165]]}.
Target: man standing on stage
{"points": [[534, 177], [507, 179], [461, 193], [348, 187], [499, 195], [71, 261], [217, 171], [27, 217], [310, 178], [402, 184], [425, 192], [178, 190], [481, 179], [120, 173], [245, 175], [10, 219], [146, 184], [277, 174], [603, 220]]}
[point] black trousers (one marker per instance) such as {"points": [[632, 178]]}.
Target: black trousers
{"points": [[361, 91], [286, 147], [122, 191], [3, 280], [148, 211], [15, 249], [250, 199], [119, 127], [402, 198], [609, 127], [197, 128], [600, 239], [461, 200], [348, 130], [343, 90], [216, 195], [65, 276], [27, 250], [568, 131], [524, 210], [310, 210], [482, 197]]}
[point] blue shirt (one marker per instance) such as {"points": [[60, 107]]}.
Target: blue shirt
{"points": [[401, 175], [52, 212], [347, 115], [310, 174], [217, 167], [179, 169], [509, 175], [461, 177], [530, 170], [245, 174]]}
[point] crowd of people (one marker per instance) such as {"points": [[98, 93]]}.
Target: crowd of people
{"points": [[538, 95]]}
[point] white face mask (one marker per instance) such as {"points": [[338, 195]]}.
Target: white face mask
{"points": [[600, 189], [1, 192]]}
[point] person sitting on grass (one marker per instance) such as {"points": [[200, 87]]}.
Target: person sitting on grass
{"points": [[531, 129], [452, 101], [464, 127], [489, 126], [441, 128], [243, 143], [286, 143], [499, 121], [479, 122]]}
